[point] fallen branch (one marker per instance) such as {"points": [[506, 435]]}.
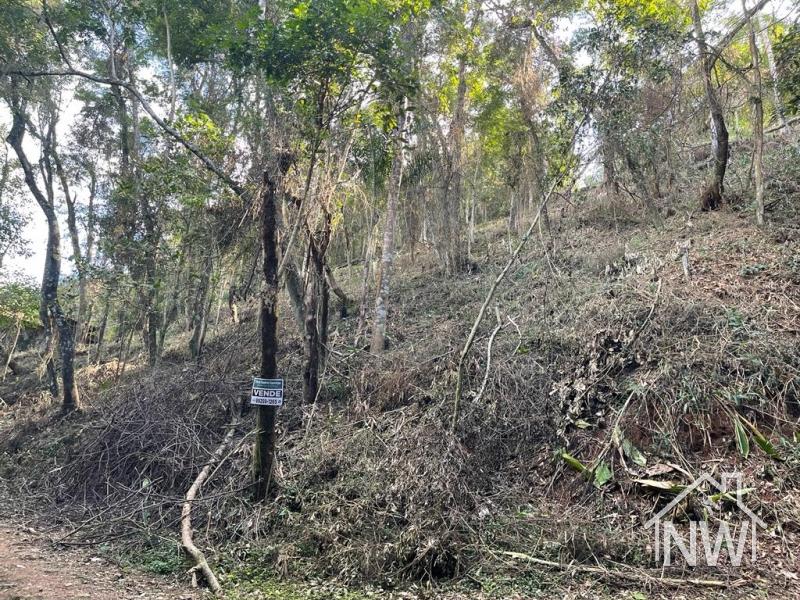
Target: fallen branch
{"points": [[10, 362], [201, 564], [629, 575], [489, 296], [334, 285], [489, 355]]}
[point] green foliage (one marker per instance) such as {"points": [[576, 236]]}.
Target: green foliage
{"points": [[203, 131], [19, 302], [22, 35], [197, 28], [787, 57], [632, 452], [161, 559], [639, 14], [602, 474], [321, 43], [12, 224]]}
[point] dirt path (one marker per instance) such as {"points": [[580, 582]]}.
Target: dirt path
{"points": [[33, 569]]}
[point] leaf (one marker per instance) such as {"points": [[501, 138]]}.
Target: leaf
{"points": [[633, 453], [602, 475], [581, 424], [767, 447], [742, 439], [574, 462], [661, 486], [760, 439], [731, 497]]}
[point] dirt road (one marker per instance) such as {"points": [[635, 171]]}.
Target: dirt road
{"points": [[31, 568]]}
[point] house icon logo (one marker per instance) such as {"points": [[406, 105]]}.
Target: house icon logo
{"points": [[736, 538]]}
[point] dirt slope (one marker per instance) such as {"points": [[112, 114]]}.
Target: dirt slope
{"points": [[31, 569]]}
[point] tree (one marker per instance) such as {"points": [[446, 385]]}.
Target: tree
{"points": [[50, 311], [758, 118], [713, 195], [387, 255]]}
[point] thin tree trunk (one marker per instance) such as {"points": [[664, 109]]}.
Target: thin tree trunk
{"points": [[773, 72], [470, 215], [85, 306], [387, 256], [313, 295], [363, 305], [324, 315], [201, 309], [264, 449], [9, 360], [758, 119], [77, 258], [311, 337], [334, 286], [101, 333], [452, 242], [294, 289]]}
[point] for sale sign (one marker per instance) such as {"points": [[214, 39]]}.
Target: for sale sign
{"points": [[267, 392]]}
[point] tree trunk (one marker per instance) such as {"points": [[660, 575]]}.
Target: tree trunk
{"points": [[451, 239], [50, 308], [758, 119], [719, 132], [773, 73], [311, 338], [201, 309], [101, 333], [77, 258], [334, 286], [316, 320], [264, 450], [387, 256], [316, 309], [366, 275], [294, 289]]}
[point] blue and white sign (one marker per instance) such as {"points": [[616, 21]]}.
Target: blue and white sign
{"points": [[267, 392]]}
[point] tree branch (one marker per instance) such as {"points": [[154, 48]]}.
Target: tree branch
{"points": [[728, 37], [234, 186]]}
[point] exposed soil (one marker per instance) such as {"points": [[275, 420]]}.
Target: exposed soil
{"points": [[32, 568]]}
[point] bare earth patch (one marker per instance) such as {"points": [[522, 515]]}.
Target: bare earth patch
{"points": [[33, 569]]}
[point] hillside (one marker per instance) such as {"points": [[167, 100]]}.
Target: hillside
{"points": [[400, 299], [607, 351]]}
